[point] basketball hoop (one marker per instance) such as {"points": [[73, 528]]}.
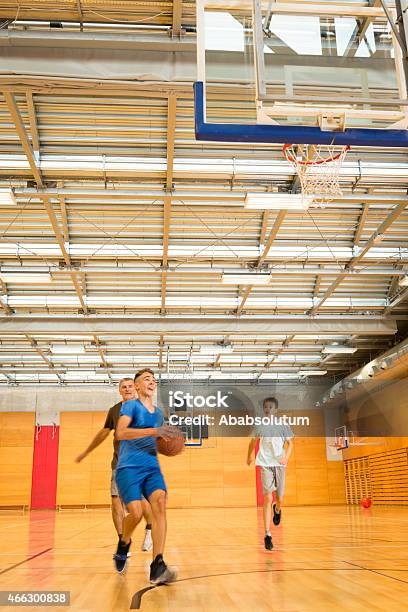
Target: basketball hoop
{"points": [[319, 177]]}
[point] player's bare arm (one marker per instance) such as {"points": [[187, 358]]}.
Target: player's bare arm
{"points": [[251, 449], [124, 432], [98, 439]]}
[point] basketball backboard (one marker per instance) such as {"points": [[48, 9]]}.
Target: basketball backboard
{"points": [[341, 439], [302, 72], [344, 438]]}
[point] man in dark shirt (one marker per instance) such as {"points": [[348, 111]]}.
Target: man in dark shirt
{"points": [[128, 392]]}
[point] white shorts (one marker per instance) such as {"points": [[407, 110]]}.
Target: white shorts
{"points": [[273, 479]]}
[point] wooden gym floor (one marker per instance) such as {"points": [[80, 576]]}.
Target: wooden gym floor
{"points": [[325, 558]]}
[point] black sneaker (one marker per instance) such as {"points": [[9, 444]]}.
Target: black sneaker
{"points": [[268, 542], [121, 556], [160, 573], [276, 515]]}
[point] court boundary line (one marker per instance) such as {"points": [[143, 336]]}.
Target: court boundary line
{"points": [[8, 569], [373, 571], [136, 601]]}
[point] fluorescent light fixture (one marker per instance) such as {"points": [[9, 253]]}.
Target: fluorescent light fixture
{"points": [[232, 376], [332, 349], [7, 197], [25, 357], [203, 357], [312, 372], [215, 349], [244, 359], [25, 278], [79, 373], [141, 359], [67, 349], [246, 278], [276, 201], [278, 376], [296, 358], [200, 375], [404, 281], [86, 361]]}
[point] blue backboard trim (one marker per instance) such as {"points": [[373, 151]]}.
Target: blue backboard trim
{"points": [[237, 132]]}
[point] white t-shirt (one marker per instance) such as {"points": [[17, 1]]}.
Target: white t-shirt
{"points": [[272, 439]]}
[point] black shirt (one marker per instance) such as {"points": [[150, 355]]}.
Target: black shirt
{"points": [[112, 419]]}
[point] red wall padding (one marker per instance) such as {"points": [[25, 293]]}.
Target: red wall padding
{"points": [[45, 468]]}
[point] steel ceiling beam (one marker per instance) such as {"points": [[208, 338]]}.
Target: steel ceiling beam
{"points": [[25, 143], [376, 237], [80, 15], [274, 232], [176, 29], [328, 9], [50, 364], [32, 116], [171, 135], [106, 365]]}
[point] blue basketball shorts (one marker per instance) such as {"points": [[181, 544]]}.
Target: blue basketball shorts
{"points": [[135, 483]]}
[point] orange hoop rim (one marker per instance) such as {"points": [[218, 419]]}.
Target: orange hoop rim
{"points": [[327, 160]]}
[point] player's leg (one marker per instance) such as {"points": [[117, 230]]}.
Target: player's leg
{"points": [[280, 490], [156, 492], [159, 521], [267, 513], [129, 481], [147, 514], [268, 486], [131, 520], [118, 511]]}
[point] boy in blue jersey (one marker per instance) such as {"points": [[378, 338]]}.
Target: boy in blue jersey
{"points": [[138, 473]]}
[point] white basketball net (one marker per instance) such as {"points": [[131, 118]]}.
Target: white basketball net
{"points": [[319, 177]]}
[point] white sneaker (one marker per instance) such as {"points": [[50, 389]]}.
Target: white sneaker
{"points": [[147, 542]]}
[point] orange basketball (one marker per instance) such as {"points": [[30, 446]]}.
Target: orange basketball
{"points": [[171, 447]]}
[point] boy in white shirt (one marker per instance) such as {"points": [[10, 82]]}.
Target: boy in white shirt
{"points": [[275, 448]]}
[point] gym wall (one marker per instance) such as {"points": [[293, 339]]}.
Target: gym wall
{"points": [[378, 468], [214, 475], [16, 458]]}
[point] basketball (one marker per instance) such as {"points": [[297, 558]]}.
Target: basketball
{"points": [[171, 447], [365, 502]]}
